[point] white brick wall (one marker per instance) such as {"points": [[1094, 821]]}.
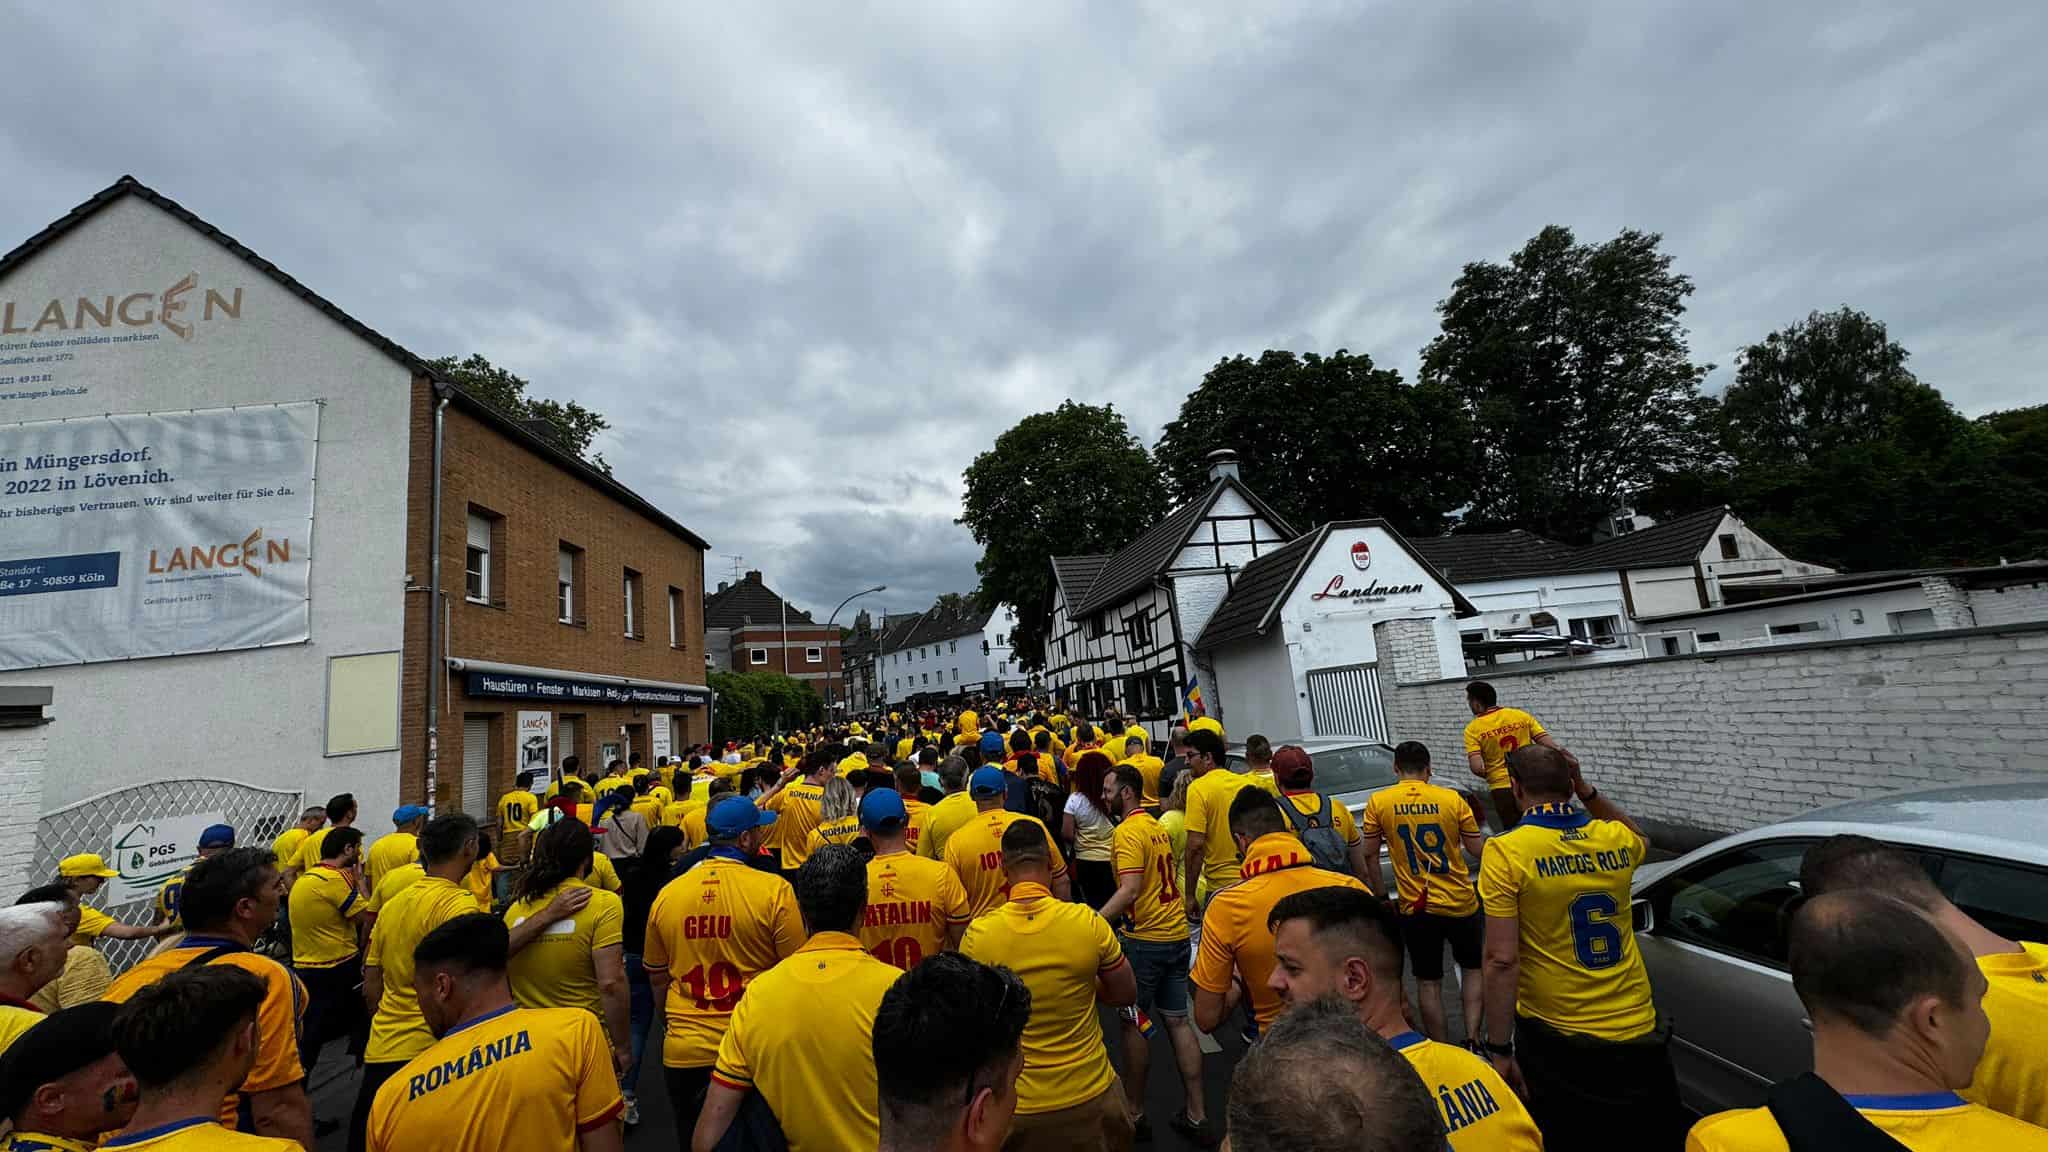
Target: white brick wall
{"points": [[1731, 740], [24, 752], [2018, 604]]}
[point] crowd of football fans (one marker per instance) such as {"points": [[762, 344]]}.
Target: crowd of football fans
{"points": [[912, 932]]}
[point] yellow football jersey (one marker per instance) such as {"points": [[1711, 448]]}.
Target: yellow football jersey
{"points": [[1149, 767], [796, 813], [941, 821], [649, 808], [393, 850], [277, 1017], [511, 1078], [1924, 1122], [1142, 847], [1565, 876], [812, 1012], [14, 1020], [1496, 732], [399, 880], [911, 903], [1235, 932], [1208, 812], [198, 1134], [713, 929], [2012, 1077], [1480, 1111], [842, 831], [603, 875], [398, 1031], [556, 970], [516, 807], [975, 854], [91, 922], [323, 913], [693, 817], [1058, 948], [1424, 826], [287, 845]]}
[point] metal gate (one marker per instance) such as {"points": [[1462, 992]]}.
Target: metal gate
{"points": [[258, 816], [1346, 702], [476, 765]]}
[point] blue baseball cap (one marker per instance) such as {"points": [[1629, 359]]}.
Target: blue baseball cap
{"points": [[407, 813], [991, 742], [882, 810], [987, 782], [217, 836], [734, 815]]}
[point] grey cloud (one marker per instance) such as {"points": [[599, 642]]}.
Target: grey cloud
{"points": [[810, 260]]}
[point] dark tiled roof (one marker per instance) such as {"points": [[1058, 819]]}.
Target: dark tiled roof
{"points": [[1076, 573], [1136, 563], [1477, 556], [749, 602], [1257, 591], [540, 445], [896, 630], [1255, 599], [1672, 544]]}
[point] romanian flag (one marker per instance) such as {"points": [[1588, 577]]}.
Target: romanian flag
{"points": [[1194, 698]]}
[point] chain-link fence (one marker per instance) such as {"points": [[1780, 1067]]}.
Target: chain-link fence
{"points": [[258, 816]]}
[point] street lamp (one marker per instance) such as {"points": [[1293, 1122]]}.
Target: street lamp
{"points": [[830, 620]]}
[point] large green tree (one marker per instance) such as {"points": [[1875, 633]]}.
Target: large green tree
{"points": [[1327, 438], [571, 426], [1073, 480], [1572, 363]]}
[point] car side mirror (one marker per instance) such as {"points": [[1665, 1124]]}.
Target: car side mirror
{"points": [[1642, 915]]}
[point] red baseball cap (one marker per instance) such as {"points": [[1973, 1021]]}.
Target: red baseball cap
{"points": [[1292, 765]]}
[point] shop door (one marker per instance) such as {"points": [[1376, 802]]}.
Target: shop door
{"points": [[1346, 702], [476, 764], [565, 738]]}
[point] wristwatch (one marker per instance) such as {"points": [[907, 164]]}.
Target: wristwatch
{"points": [[1492, 1049]]}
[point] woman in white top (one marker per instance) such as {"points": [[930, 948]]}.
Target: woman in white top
{"points": [[1089, 829]]}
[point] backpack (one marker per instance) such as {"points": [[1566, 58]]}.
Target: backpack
{"points": [[1325, 847]]}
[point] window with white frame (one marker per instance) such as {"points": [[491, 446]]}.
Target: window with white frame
{"points": [[956, 675], [1141, 631], [565, 584], [631, 586], [953, 647], [675, 617], [757, 655], [476, 568], [814, 655]]}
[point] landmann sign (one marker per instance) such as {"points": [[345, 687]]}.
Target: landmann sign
{"points": [[523, 687]]}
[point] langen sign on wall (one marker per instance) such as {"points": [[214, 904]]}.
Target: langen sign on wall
{"points": [[155, 534]]}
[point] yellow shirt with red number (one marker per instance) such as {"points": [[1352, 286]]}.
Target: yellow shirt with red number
{"points": [[713, 929], [1059, 949], [1235, 935], [912, 901], [1424, 826], [1496, 732], [1142, 847], [975, 854], [511, 1078]]}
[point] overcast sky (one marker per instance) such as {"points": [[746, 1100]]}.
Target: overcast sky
{"points": [[811, 259]]}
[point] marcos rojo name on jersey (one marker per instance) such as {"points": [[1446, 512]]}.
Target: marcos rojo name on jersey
{"points": [[1574, 863]]}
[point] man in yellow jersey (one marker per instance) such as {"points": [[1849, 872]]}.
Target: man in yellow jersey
{"points": [[518, 806], [1148, 766], [1899, 1028], [84, 874], [908, 781], [1153, 931], [1210, 862], [1322, 1082], [62, 1084], [1429, 829], [945, 818], [1327, 827], [1237, 937], [397, 848], [1067, 956], [1258, 761], [229, 901], [33, 942], [214, 839], [1494, 732], [948, 1050], [975, 852], [398, 1030], [2013, 1075], [645, 803], [694, 833], [289, 841], [581, 963], [710, 933], [498, 1076], [795, 802], [1342, 943], [916, 907], [191, 1040], [341, 813], [1564, 983], [803, 1035], [324, 912]]}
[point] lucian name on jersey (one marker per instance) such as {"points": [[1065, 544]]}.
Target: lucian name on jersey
{"points": [[1416, 810], [1573, 863], [900, 912], [479, 1058], [1468, 1103]]}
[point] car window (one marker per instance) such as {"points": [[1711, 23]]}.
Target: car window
{"points": [[2009, 899], [1354, 768], [1736, 902]]}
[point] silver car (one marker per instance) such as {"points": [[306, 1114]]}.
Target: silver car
{"points": [[1711, 924]]}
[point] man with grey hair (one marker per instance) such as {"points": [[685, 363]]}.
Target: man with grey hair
{"points": [[1320, 1081], [803, 1035], [32, 947]]}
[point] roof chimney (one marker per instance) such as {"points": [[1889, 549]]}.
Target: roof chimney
{"points": [[1222, 462], [754, 577], [722, 585]]}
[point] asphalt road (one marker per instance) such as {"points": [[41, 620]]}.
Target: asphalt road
{"points": [[334, 1082]]}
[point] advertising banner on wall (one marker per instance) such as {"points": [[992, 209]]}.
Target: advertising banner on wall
{"points": [[155, 534], [536, 743], [660, 739], [148, 852]]}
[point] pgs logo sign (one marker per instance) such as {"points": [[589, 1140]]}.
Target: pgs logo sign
{"points": [[178, 309]]}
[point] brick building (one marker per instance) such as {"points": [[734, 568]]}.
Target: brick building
{"points": [[752, 629], [260, 623]]}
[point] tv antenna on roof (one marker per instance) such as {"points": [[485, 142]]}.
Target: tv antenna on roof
{"points": [[735, 566]]}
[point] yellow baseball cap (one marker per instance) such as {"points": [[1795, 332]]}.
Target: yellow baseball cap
{"points": [[1206, 724], [85, 864]]}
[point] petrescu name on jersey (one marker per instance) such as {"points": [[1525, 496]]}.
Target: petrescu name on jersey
{"points": [[480, 1057], [1579, 863]]}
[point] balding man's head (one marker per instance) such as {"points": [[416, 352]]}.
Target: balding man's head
{"points": [[1321, 1082], [1540, 774]]}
